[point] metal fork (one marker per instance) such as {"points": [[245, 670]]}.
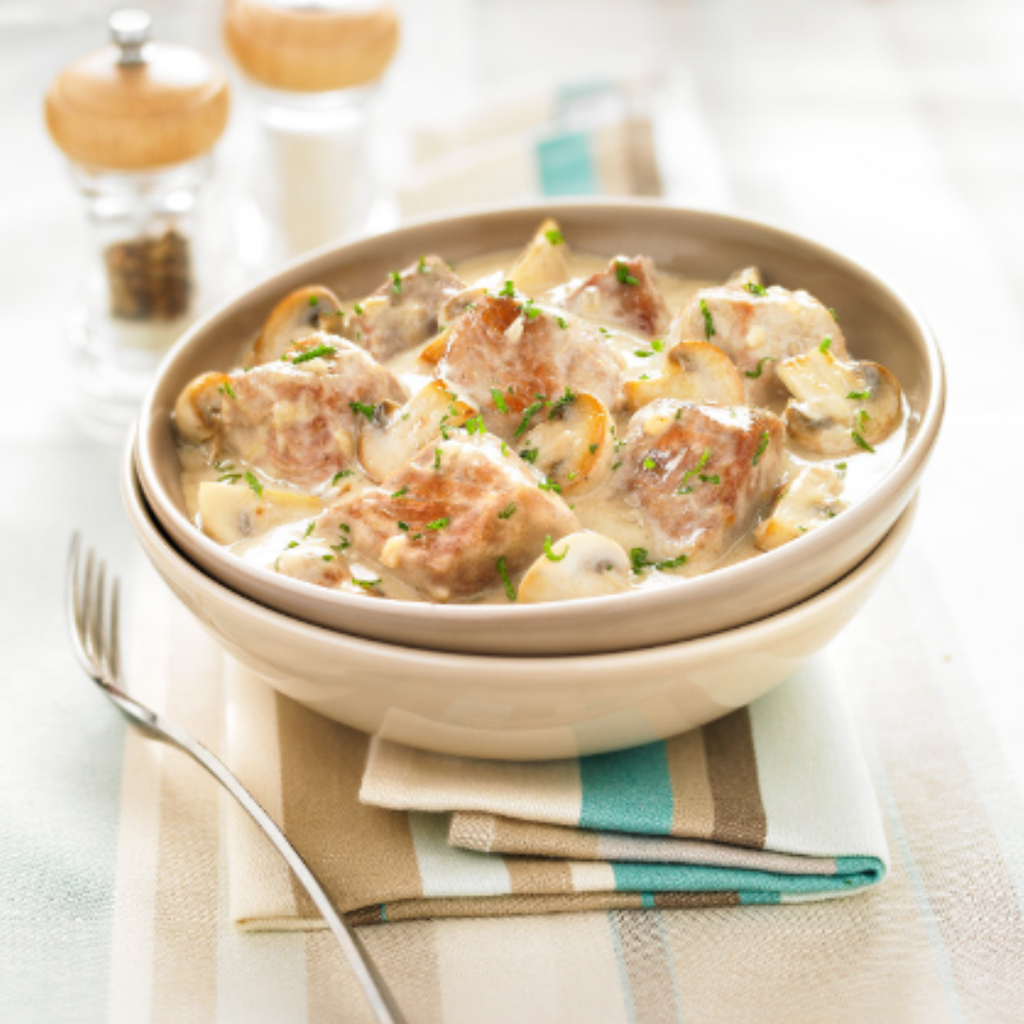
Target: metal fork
{"points": [[95, 638]]}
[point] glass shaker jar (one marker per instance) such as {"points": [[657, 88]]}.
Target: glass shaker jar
{"points": [[313, 69], [137, 121]]}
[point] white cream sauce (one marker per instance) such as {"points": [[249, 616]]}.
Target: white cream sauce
{"points": [[602, 511]]}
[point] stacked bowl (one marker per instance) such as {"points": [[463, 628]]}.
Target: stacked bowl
{"points": [[556, 680]]}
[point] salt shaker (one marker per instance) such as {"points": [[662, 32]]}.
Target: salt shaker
{"points": [[313, 69], [138, 121]]}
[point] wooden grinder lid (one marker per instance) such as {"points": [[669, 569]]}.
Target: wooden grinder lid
{"points": [[137, 105], [311, 46]]}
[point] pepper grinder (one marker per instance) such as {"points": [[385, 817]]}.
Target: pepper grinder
{"points": [[138, 121], [313, 67]]}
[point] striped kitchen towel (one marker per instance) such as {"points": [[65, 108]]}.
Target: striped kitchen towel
{"points": [[771, 804]]}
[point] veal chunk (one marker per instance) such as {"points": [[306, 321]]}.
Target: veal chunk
{"points": [[700, 474], [404, 311], [293, 418], [626, 292], [757, 331], [462, 505], [526, 355]]}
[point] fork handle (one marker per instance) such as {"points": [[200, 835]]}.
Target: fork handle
{"points": [[376, 991]]}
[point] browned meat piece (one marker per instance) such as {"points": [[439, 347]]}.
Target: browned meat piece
{"points": [[295, 419], [700, 474], [403, 312], [442, 522], [524, 353], [758, 328], [626, 293]]}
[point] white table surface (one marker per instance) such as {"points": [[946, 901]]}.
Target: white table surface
{"points": [[894, 131]]}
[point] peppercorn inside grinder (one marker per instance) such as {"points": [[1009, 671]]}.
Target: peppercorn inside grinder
{"points": [[138, 121]]}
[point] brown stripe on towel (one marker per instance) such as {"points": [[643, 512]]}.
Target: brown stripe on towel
{"points": [[732, 771], [350, 847], [652, 987], [693, 805], [532, 875], [488, 832]]}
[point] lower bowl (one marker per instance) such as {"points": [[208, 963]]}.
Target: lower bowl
{"points": [[520, 709]]}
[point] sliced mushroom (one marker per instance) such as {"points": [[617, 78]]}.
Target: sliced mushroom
{"points": [[433, 352], [838, 406], [199, 405], [454, 307], [299, 314], [579, 565], [810, 501], [572, 443], [694, 372], [397, 432], [748, 275], [234, 512], [543, 264], [314, 563]]}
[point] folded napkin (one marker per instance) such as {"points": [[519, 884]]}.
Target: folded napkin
{"points": [[771, 804]]}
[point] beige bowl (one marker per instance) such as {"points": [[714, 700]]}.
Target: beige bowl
{"points": [[880, 324], [521, 709]]}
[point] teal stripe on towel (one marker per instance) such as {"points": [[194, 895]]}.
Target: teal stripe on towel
{"points": [[566, 166], [629, 791]]}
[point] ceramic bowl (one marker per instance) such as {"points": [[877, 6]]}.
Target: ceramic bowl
{"points": [[509, 708], [880, 324]]}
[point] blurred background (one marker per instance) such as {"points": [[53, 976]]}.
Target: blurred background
{"points": [[892, 129]]}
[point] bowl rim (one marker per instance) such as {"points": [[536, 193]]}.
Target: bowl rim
{"points": [[143, 520], [711, 586]]}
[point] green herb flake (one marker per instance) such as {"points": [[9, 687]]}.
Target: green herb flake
{"points": [[554, 236], [499, 400], [623, 274], [424, 267], [396, 282], [508, 291], [229, 478], [529, 455], [754, 374], [658, 345], [755, 289], [709, 324], [671, 563], [506, 581], [341, 475], [550, 485], [254, 484], [549, 554], [400, 493], [437, 458], [650, 463], [834, 315], [504, 449], [528, 413], [357, 309], [826, 344], [227, 389], [530, 311], [292, 544], [508, 511], [366, 584], [360, 409], [309, 529], [701, 463], [314, 353], [558, 408], [840, 468], [593, 449], [476, 425], [314, 301], [562, 322], [710, 479], [327, 558], [643, 353], [438, 524], [762, 446], [859, 396], [404, 527], [860, 442], [638, 559]]}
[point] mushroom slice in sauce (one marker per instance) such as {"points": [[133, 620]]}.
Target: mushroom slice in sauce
{"points": [[544, 262], [810, 501], [694, 371], [758, 328], [572, 443], [626, 292], [231, 512], [579, 565], [446, 521], [506, 346], [315, 563], [197, 410], [700, 474], [404, 311], [397, 432], [839, 406], [298, 315]]}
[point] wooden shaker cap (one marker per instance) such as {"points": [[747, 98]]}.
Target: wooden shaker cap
{"points": [[137, 105], [311, 48]]}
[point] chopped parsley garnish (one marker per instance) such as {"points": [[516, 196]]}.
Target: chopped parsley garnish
{"points": [[396, 282], [508, 291], [709, 324], [643, 353], [438, 524], [365, 584], [861, 418], [400, 493], [223, 467], [550, 485], [499, 400], [859, 396], [835, 315], [503, 573], [559, 407], [826, 344], [345, 527], [650, 463], [402, 526], [554, 236], [549, 554], [342, 544], [366, 410], [530, 311], [293, 544], [229, 478], [658, 345], [638, 558], [504, 449], [860, 442], [529, 455], [528, 413], [562, 322], [671, 563], [357, 309], [227, 389], [765, 439], [314, 353], [840, 468], [327, 558], [755, 289], [710, 479], [754, 374], [309, 529], [313, 300], [623, 275], [476, 425], [257, 487], [701, 463], [593, 449], [508, 511], [340, 475], [437, 458], [424, 267]]}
